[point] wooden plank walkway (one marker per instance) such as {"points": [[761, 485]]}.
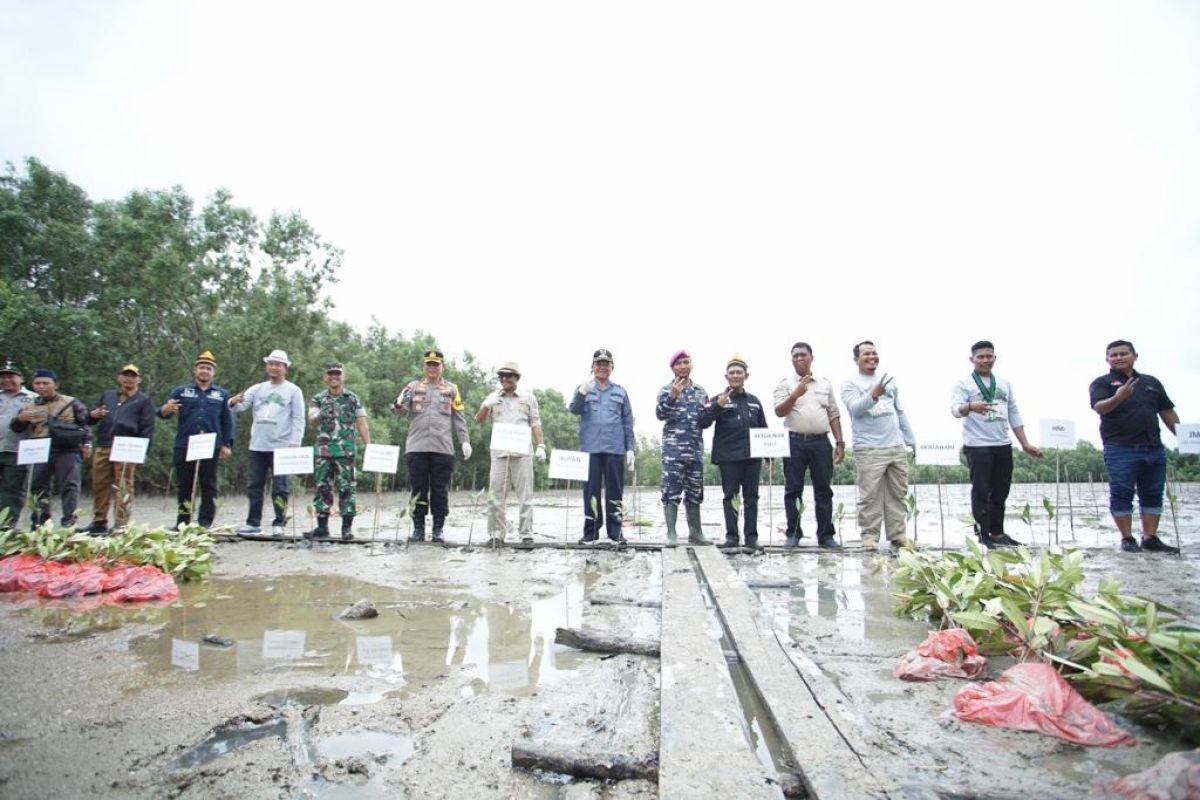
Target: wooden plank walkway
{"points": [[702, 749], [833, 754]]}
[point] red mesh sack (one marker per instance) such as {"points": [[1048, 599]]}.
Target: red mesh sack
{"points": [[944, 654], [1034, 697], [1175, 775]]}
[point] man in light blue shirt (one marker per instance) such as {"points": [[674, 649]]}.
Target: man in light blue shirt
{"points": [[881, 436], [279, 418], [606, 434], [986, 405]]}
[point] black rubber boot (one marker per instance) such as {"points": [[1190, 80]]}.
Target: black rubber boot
{"points": [[348, 527], [322, 529], [418, 534]]}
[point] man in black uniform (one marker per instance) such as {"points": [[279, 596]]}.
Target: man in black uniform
{"points": [[1130, 405]]}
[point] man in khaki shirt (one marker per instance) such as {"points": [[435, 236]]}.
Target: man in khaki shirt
{"points": [[810, 412], [513, 470]]}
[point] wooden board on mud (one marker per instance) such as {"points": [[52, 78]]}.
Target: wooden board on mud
{"points": [[702, 749], [833, 751]]}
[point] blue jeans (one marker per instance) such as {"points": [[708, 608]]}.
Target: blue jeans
{"points": [[609, 469], [259, 462], [1139, 468]]}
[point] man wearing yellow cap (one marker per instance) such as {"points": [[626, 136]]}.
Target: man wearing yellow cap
{"points": [[124, 411]]}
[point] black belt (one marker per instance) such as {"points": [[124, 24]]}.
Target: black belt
{"points": [[804, 437]]}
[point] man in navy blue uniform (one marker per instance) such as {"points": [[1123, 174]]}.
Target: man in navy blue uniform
{"points": [[606, 434], [203, 408], [679, 406]]}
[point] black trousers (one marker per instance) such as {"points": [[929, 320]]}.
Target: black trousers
{"points": [[429, 475], [185, 472], [741, 477], [816, 456], [257, 465], [991, 478], [607, 470]]}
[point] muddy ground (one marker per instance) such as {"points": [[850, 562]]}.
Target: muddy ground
{"points": [[427, 699]]}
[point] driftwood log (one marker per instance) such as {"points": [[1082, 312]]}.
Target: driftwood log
{"points": [[597, 642], [602, 766]]}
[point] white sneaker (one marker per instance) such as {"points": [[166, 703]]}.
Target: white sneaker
{"points": [[250, 529], [278, 530]]}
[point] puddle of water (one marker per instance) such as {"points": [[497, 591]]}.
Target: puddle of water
{"points": [[313, 696], [286, 625], [224, 742], [396, 747]]}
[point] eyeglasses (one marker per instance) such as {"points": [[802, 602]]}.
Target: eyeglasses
{"points": [[504, 375]]}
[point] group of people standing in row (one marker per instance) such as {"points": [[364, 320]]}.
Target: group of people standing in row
{"points": [[1129, 403]]}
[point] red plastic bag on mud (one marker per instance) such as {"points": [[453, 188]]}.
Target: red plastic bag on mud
{"points": [[73, 580], [1175, 775], [944, 654], [1034, 697]]}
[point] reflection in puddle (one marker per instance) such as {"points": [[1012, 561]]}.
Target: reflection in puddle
{"points": [[286, 625]]}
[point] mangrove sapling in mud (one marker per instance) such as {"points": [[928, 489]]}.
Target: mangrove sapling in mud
{"points": [[1051, 513], [1139, 656], [838, 513], [911, 511], [1027, 518]]}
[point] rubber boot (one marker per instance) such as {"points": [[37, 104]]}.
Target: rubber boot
{"points": [[347, 527], [322, 529], [418, 533], [671, 512], [437, 530], [695, 534]]}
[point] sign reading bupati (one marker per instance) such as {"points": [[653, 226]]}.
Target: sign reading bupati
{"points": [[569, 465]]}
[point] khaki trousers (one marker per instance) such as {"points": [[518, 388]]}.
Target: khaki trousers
{"points": [[517, 471], [109, 479], [882, 485]]}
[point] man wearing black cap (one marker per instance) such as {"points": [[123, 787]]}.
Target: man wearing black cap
{"points": [[735, 411], [435, 412], [123, 411], [64, 420], [13, 397], [606, 434], [340, 419], [203, 408]]}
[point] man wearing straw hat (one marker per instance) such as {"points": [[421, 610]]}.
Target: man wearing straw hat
{"points": [[124, 411], [13, 397], [203, 408], [278, 422], [512, 470], [679, 406], [341, 419]]}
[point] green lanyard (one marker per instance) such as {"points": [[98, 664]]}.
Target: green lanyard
{"points": [[988, 392]]}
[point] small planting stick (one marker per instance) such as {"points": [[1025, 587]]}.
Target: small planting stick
{"points": [[1173, 499], [1057, 502], [195, 480], [1070, 505], [941, 515]]}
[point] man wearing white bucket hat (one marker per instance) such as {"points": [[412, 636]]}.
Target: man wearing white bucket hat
{"points": [[278, 422]]}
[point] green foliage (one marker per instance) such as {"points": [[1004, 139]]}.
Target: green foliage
{"points": [[1139, 655], [185, 554]]}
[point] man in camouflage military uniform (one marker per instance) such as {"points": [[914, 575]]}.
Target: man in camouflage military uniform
{"points": [[679, 405], [435, 412], [341, 420]]}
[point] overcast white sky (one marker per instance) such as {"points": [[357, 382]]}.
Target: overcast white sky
{"points": [[532, 181]]}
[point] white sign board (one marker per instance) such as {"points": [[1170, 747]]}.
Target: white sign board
{"points": [[129, 450], [201, 446], [293, 461], [766, 443], [510, 438], [33, 451], [185, 655], [381, 458], [569, 465], [938, 453], [375, 650], [1188, 437], [1058, 433], [283, 644]]}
